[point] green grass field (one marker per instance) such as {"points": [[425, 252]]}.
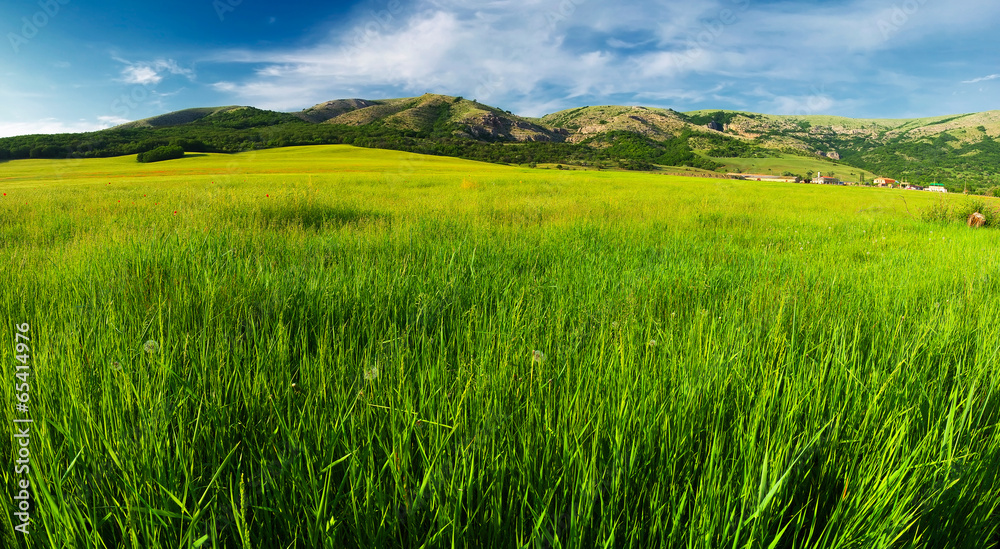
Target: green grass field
{"points": [[340, 347], [798, 165]]}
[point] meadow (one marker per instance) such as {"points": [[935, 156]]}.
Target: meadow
{"points": [[340, 347], [798, 165]]}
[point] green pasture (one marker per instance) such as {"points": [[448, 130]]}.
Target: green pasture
{"points": [[340, 347], [798, 165]]}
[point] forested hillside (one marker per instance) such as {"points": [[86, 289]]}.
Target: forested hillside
{"points": [[960, 151]]}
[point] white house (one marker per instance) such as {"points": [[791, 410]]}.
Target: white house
{"points": [[937, 189]]}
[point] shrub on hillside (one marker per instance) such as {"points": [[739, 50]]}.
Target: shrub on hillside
{"points": [[162, 153], [941, 213], [938, 213], [976, 205]]}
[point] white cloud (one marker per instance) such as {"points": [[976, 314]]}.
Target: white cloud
{"points": [[153, 72], [621, 44], [801, 105], [538, 53], [111, 121], [818, 101], [140, 75], [53, 125], [982, 79], [432, 51], [501, 51]]}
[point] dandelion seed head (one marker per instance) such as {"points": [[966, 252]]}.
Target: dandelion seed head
{"points": [[115, 365], [151, 346], [651, 343], [371, 374], [537, 356]]}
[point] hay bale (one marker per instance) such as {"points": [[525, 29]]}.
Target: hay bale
{"points": [[977, 220]]}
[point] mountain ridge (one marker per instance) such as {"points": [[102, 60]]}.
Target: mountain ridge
{"points": [[482, 121], [959, 148]]}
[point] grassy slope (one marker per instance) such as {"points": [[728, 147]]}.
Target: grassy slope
{"points": [[573, 117], [795, 164], [345, 341], [284, 161], [843, 122], [177, 118], [963, 126], [422, 113], [589, 121], [966, 128]]}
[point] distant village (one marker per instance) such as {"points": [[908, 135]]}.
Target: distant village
{"points": [[820, 179]]}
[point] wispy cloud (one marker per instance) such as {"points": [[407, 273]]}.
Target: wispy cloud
{"points": [[543, 54], [982, 79], [802, 105], [846, 57], [53, 125], [152, 72], [140, 75], [491, 53]]}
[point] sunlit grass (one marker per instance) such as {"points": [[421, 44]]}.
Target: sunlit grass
{"points": [[339, 347], [798, 165]]}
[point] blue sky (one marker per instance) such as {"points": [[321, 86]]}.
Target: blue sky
{"points": [[78, 65]]}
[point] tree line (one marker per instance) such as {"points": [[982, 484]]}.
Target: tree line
{"points": [[243, 130]]}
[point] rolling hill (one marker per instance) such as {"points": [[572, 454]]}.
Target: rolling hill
{"points": [[961, 151], [178, 118], [586, 122], [433, 114]]}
